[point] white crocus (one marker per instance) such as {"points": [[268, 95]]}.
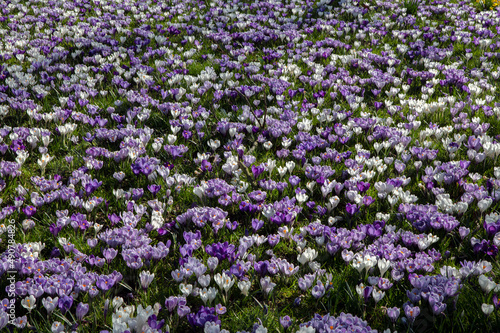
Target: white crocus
{"points": [[307, 256], [204, 295], [157, 219], [244, 287], [301, 197], [486, 284], [44, 160], [271, 164], [369, 261], [223, 281], [484, 204], [29, 303], [383, 266], [212, 293], [186, 289], [377, 295], [487, 308]]}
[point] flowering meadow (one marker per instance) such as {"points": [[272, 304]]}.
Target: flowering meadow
{"points": [[238, 166]]}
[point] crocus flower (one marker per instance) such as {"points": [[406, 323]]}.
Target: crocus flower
{"points": [[411, 312], [65, 303], [146, 279], [81, 310], [393, 313], [351, 208], [29, 303], [267, 285], [286, 322], [29, 211]]}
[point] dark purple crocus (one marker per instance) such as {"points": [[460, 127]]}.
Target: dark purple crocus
{"points": [[367, 292], [220, 250], [363, 186], [29, 211], [65, 303], [257, 170], [54, 229], [154, 188], [154, 323], [205, 314], [261, 267], [351, 208], [496, 302], [378, 105]]}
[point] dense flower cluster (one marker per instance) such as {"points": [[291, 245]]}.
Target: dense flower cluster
{"points": [[216, 166]]}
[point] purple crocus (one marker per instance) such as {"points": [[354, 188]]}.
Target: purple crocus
{"points": [[29, 211], [154, 189], [206, 166], [411, 312], [368, 200], [65, 303], [351, 209], [286, 322], [54, 229], [81, 310], [393, 313], [257, 224], [109, 254], [114, 218], [257, 170], [104, 282], [154, 323], [318, 290]]}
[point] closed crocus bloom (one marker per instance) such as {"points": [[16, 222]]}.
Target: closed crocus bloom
{"points": [[4, 319], [383, 265], [65, 303], [486, 284], [117, 302], [81, 310], [146, 279], [393, 313], [267, 285], [487, 308], [484, 204], [109, 254]]}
